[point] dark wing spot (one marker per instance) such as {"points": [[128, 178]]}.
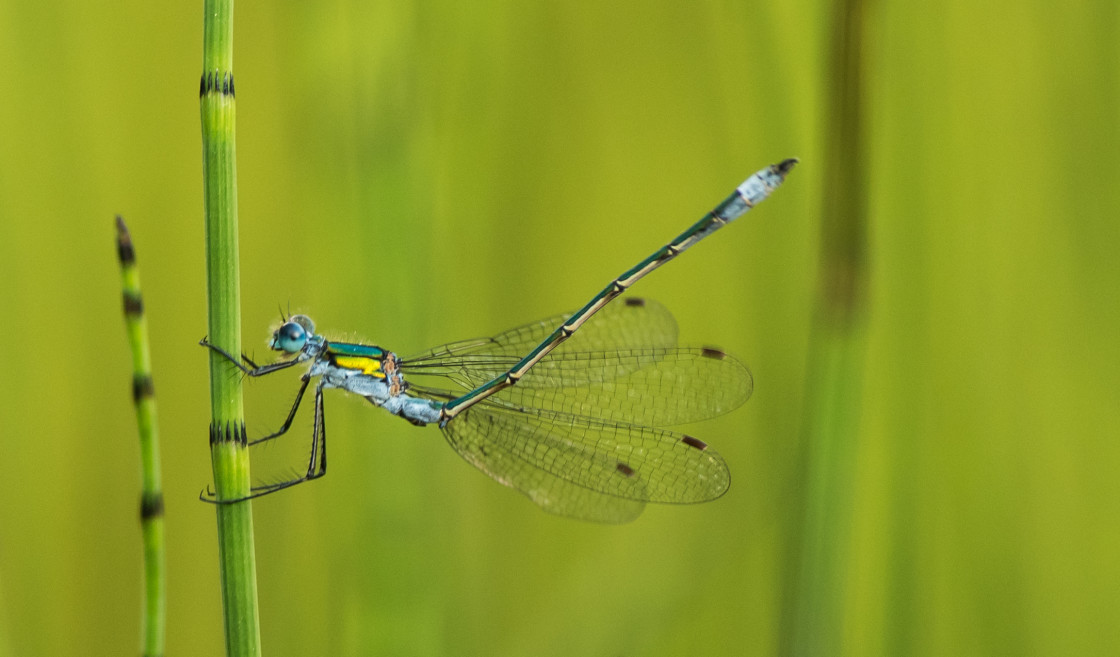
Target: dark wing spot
{"points": [[635, 301], [694, 442], [712, 352], [625, 469]]}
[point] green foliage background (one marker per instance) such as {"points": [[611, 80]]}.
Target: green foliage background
{"points": [[416, 173]]}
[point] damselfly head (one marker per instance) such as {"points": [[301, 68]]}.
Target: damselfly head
{"points": [[292, 334]]}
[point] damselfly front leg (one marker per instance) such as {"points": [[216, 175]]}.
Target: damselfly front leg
{"points": [[255, 371]]}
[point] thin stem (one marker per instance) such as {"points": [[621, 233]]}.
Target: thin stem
{"points": [[837, 349], [153, 617], [229, 454]]}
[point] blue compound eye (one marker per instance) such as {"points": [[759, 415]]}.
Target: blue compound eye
{"points": [[289, 338]]}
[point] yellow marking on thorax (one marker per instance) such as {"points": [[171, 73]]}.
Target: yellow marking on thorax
{"points": [[363, 364]]}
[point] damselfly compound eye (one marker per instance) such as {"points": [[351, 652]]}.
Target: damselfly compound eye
{"points": [[289, 338]]}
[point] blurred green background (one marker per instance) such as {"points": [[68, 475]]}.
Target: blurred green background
{"points": [[416, 173]]}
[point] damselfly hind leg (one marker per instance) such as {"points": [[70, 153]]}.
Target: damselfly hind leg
{"points": [[317, 462], [291, 414]]}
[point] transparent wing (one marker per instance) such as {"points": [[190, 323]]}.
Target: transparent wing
{"points": [[586, 468], [656, 387], [632, 321]]}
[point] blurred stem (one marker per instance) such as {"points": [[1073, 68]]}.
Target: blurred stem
{"points": [[151, 495], [229, 454], [835, 376]]}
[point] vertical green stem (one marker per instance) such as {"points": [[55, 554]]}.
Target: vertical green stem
{"points": [[835, 376], [229, 455], [151, 496]]}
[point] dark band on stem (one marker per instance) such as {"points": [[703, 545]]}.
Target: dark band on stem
{"points": [[142, 388], [217, 82], [231, 433], [151, 506], [133, 304], [125, 253]]}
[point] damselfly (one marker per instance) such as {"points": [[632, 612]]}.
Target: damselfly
{"points": [[577, 428]]}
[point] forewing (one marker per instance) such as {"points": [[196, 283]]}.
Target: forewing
{"points": [[656, 387], [628, 322]]}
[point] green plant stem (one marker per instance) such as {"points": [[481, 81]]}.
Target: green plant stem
{"points": [[153, 617], [229, 454], [835, 367]]}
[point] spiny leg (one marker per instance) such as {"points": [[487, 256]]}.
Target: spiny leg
{"points": [[253, 370], [318, 439], [316, 465], [754, 190], [291, 415], [317, 462]]}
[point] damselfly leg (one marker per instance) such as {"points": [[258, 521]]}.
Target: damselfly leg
{"points": [[317, 462]]}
